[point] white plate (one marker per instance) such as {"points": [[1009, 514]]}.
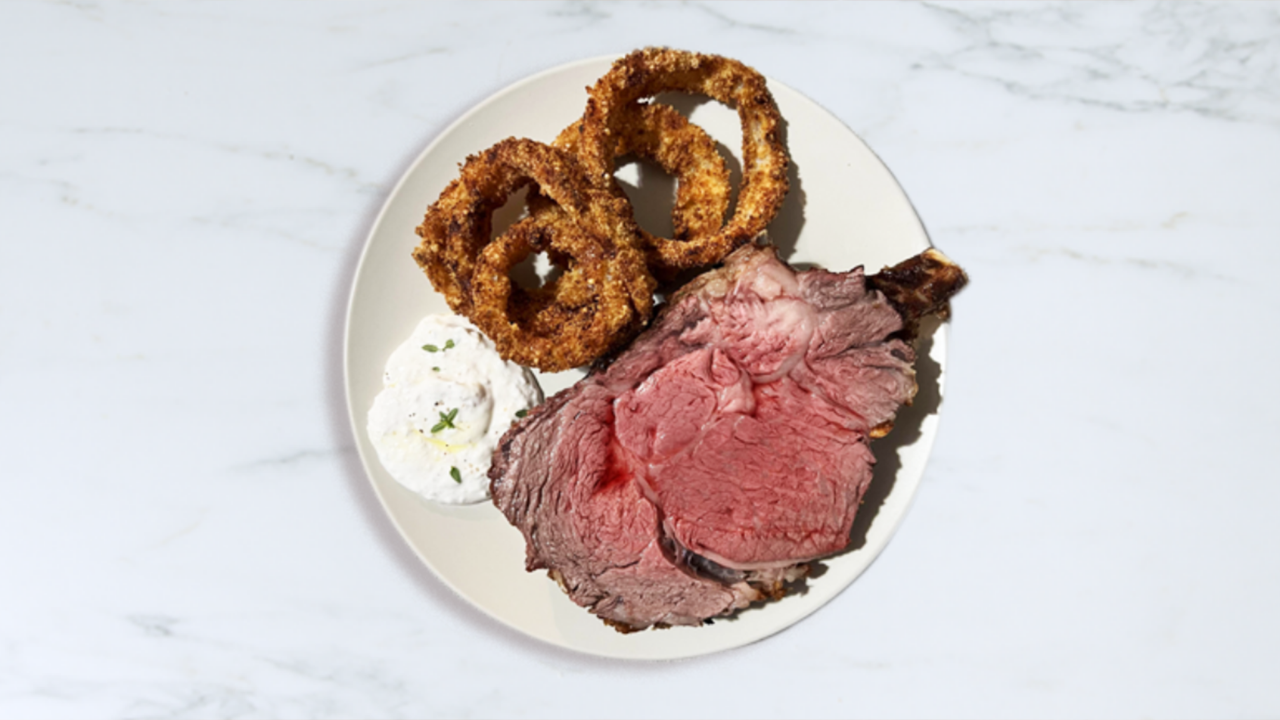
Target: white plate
{"points": [[844, 209]]}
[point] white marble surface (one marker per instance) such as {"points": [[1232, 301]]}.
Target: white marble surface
{"points": [[185, 530]]}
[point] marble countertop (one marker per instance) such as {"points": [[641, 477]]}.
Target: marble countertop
{"points": [[186, 530]]}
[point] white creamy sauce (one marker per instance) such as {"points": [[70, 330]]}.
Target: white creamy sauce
{"points": [[447, 399]]}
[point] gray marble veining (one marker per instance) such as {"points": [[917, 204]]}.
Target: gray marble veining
{"points": [[187, 532]]}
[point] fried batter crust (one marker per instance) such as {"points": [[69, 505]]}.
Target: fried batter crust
{"points": [[659, 133], [606, 293], [648, 72], [581, 218]]}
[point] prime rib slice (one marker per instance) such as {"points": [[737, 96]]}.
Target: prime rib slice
{"points": [[727, 447]]}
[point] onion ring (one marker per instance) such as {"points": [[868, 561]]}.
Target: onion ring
{"points": [[569, 322], [608, 294], [645, 73], [659, 133]]}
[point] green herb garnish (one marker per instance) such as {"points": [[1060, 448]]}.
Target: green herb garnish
{"points": [[446, 421], [435, 368], [448, 344], [457, 476], [430, 348], [521, 413]]}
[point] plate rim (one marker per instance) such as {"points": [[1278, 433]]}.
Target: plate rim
{"points": [[940, 335]]}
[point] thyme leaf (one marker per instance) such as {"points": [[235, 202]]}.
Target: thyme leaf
{"points": [[446, 421]]}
